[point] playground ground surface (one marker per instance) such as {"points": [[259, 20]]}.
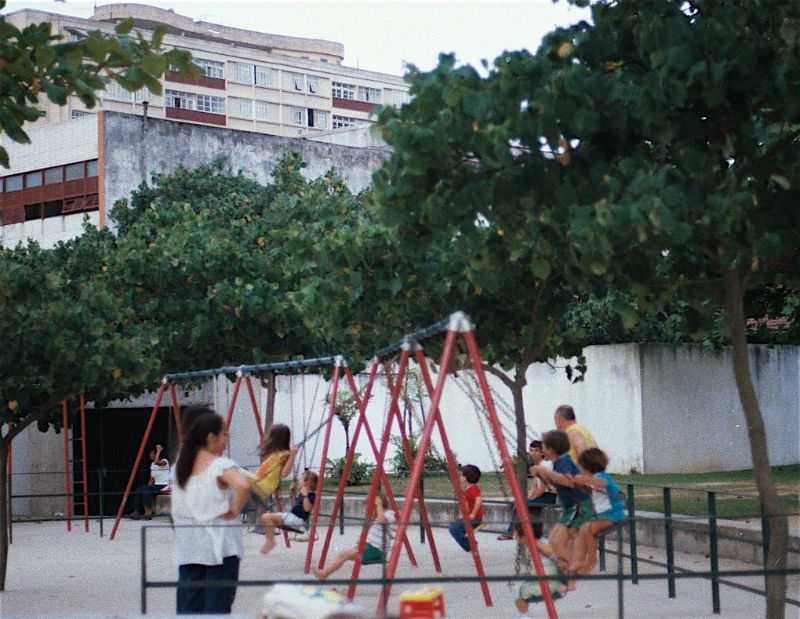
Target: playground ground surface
{"points": [[55, 573]]}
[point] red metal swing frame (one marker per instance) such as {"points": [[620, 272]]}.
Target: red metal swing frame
{"points": [[457, 326], [379, 455], [241, 372]]}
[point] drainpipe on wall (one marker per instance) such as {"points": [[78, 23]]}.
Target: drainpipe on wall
{"points": [[142, 138]]}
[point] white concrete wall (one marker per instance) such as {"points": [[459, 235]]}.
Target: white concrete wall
{"points": [[691, 413], [652, 408], [135, 150]]}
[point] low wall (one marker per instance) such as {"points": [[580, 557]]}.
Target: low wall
{"points": [[736, 540]]}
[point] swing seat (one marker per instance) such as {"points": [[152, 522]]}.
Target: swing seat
{"points": [[284, 527]]}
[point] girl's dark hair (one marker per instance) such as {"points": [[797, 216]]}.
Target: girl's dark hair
{"points": [[191, 414], [556, 440], [277, 439], [194, 439], [593, 460]]}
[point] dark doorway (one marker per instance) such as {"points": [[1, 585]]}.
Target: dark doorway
{"points": [[113, 436]]}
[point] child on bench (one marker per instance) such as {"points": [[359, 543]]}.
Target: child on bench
{"points": [[297, 518], [376, 538], [608, 506]]}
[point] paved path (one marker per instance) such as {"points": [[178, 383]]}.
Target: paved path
{"points": [[55, 573]]}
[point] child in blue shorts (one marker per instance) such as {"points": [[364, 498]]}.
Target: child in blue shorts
{"points": [[608, 508]]}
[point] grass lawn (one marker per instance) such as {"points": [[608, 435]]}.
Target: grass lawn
{"points": [[736, 490]]}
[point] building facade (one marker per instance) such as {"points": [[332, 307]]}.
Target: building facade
{"points": [[253, 81], [91, 162]]}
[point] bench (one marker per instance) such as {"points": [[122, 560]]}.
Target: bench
{"points": [[162, 505]]}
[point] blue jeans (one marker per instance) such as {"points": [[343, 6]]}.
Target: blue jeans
{"points": [[207, 600], [459, 532], [144, 497]]}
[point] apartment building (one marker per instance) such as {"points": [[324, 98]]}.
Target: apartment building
{"points": [[265, 85], [253, 81]]}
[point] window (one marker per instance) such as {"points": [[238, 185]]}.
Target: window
{"points": [[298, 82], [91, 168], [343, 91], [343, 121], [180, 100], [212, 68], [317, 119], [312, 83], [54, 175], [14, 183], [78, 114], [212, 105], [298, 116], [33, 211], [53, 208], [74, 171], [242, 73], [396, 97], [372, 95], [117, 93], [264, 111], [263, 76], [33, 179], [141, 95], [242, 108]]}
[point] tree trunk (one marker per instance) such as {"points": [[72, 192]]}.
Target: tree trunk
{"points": [[768, 495], [522, 435], [4, 511], [346, 437]]}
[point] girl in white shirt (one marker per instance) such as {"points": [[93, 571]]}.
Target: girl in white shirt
{"points": [[208, 493]]}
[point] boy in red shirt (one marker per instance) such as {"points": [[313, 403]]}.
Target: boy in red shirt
{"points": [[470, 475]]}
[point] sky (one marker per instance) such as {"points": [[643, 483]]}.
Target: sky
{"points": [[378, 35]]}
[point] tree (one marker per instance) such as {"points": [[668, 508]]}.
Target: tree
{"points": [[35, 63], [64, 335], [213, 261], [468, 182], [653, 151]]}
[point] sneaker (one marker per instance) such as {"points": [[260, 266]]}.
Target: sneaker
{"points": [[505, 537]]}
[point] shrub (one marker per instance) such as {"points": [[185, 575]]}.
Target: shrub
{"points": [[360, 471], [434, 463]]}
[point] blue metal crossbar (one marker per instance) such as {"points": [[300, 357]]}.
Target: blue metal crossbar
{"points": [[418, 336], [258, 367]]}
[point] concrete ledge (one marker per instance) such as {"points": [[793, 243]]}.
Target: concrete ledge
{"points": [[735, 540]]}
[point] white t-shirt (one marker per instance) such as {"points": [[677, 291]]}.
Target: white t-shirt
{"points": [[375, 534], [160, 473], [202, 502]]}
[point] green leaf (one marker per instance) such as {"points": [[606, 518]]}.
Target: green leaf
{"points": [[125, 26]]}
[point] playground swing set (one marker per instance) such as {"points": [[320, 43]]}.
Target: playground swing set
{"points": [[394, 362], [456, 327], [243, 375]]}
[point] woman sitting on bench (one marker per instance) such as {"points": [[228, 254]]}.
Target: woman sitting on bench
{"points": [[540, 495], [294, 520]]}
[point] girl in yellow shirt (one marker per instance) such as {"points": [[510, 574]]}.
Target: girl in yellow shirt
{"points": [[277, 459]]}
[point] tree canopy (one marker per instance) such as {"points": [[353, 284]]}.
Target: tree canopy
{"points": [[653, 151]]}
